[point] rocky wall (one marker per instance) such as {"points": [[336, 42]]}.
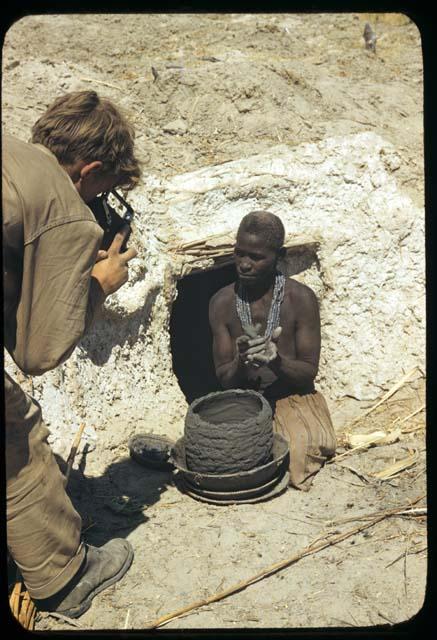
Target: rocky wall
{"points": [[368, 273]]}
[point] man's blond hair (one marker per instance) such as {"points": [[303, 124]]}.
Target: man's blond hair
{"points": [[83, 126]]}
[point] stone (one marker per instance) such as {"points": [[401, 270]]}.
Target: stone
{"points": [[176, 127]]}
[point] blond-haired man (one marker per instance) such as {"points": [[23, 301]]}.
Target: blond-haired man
{"points": [[55, 279]]}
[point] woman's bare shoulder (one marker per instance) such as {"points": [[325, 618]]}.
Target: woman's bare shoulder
{"points": [[298, 291], [223, 296]]}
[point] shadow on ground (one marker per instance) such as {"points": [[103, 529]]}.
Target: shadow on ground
{"points": [[115, 503]]}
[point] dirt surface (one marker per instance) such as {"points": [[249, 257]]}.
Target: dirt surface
{"points": [[188, 550], [224, 87]]}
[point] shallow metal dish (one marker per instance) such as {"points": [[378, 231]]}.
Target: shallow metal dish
{"points": [[278, 488], [151, 450], [238, 495]]}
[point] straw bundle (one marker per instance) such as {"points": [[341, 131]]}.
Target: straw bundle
{"points": [[22, 606], [219, 248]]}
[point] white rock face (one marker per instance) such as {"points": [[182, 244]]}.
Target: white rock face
{"points": [[369, 275]]}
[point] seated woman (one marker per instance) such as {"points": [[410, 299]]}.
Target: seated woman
{"points": [[266, 336]]}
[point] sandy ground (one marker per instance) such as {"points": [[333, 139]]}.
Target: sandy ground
{"points": [[229, 86]]}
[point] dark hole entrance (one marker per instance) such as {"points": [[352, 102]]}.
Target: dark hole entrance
{"points": [[190, 335]]}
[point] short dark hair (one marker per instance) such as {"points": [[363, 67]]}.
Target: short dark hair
{"points": [[266, 225]]}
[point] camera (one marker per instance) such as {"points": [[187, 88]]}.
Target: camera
{"points": [[108, 218]]}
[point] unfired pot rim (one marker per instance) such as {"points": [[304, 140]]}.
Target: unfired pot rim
{"points": [[191, 413]]}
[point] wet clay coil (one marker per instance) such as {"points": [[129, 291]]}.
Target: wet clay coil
{"points": [[234, 481]]}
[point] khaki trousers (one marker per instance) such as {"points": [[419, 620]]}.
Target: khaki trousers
{"points": [[43, 528], [305, 422]]}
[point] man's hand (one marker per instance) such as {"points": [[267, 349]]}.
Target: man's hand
{"points": [[264, 352], [111, 270], [101, 255]]}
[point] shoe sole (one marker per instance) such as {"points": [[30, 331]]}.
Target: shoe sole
{"points": [[76, 612]]}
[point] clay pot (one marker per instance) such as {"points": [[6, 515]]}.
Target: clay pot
{"points": [[228, 432], [233, 482]]}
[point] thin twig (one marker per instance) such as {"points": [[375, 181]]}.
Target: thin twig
{"points": [[361, 476], [228, 243], [400, 556], [385, 617], [352, 484], [88, 527], [287, 517], [412, 429], [107, 84], [127, 619], [349, 452], [399, 421], [397, 467], [414, 512], [66, 619], [15, 598], [405, 569], [272, 569], [208, 253], [406, 512]]}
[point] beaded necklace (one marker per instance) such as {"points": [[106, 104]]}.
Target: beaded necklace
{"points": [[243, 306]]}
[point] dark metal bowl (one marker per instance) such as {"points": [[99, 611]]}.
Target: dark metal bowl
{"points": [[234, 498], [151, 450], [237, 495]]}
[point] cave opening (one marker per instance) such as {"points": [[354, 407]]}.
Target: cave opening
{"points": [[190, 334]]}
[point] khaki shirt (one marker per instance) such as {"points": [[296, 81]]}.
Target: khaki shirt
{"points": [[50, 244]]}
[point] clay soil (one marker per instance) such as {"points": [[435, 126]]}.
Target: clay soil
{"points": [[225, 87]]}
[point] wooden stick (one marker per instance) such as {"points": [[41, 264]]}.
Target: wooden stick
{"points": [[349, 452], [207, 252], [200, 247], [291, 243], [402, 555], [397, 467], [14, 599], [421, 511], [274, 568], [59, 616], [127, 619], [73, 451], [413, 429], [187, 245], [360, 475]]}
